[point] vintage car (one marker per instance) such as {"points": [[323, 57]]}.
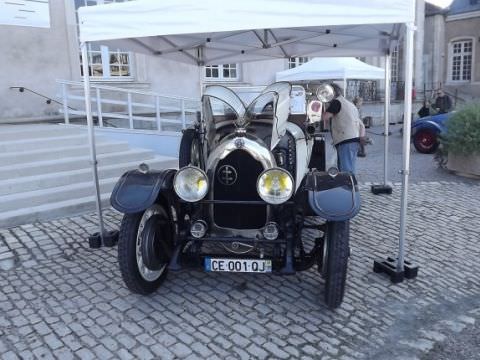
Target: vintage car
{"points": [[251, 182], [426, 131]]}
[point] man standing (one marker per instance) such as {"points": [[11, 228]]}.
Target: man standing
{"points": [[358, 102], [346, 128], [443, 104]]}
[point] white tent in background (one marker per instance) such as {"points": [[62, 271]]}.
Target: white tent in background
{"points": [[331, 68], [221, 31]]}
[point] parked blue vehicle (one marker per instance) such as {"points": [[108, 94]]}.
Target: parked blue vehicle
{"points": [[426, 131]]}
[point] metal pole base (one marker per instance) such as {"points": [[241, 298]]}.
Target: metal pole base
{"points": [[389, 267], [108, 239], [381, 189]]}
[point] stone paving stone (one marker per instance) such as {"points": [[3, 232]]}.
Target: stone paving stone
{"points": [[142, 352], [124, 355], [162, 352], [74, 303], [53, 342], [10, 356], [86, 354], [180, 349]]}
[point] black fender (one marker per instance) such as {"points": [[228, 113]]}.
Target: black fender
{"points": [[136, 191], [334, 198]]}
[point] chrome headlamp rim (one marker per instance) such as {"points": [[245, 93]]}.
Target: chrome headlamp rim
{"points": [[281, 170], [325, 93], [177, 174]]}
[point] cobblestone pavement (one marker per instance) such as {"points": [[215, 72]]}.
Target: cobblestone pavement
{"points": [[422, 166], [61, 299]]}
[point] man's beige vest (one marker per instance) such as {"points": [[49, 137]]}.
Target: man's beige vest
{"points": [[345, 124]]}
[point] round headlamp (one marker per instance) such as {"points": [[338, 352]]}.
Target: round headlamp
{"points": [[275, 186], [190, 183]]}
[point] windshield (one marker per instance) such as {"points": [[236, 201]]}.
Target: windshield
{"points": [[262, 107], [222, 104], [280, 92], [222, 107], [217, 111]]}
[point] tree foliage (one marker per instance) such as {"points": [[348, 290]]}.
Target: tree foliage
{"points": [[463, 131]]}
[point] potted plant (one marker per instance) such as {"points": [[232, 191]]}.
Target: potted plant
{"points": [[461, 141]]}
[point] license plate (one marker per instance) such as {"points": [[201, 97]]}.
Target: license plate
{"points": [[238, 265]]}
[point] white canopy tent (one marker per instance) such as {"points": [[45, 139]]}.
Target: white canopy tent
{"points": [[332, 68], [224, 31]]}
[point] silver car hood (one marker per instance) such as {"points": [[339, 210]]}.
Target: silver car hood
{"points": [[244, 142]]}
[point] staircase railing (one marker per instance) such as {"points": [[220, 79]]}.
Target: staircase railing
{"points": [[48, 99], [132, 109]]}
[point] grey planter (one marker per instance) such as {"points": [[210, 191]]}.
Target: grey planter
{"points": [[467, 165]]}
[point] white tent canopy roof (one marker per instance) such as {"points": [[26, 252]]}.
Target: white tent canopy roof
{"points": [[330, 69], [222, 31]]}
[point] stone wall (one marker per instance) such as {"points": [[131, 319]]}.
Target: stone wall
{"points": [[34, 58]]}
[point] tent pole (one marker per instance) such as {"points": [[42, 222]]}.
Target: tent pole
{"points": [[91, 140], [401, 269], [385, 188], [387, 117], [407, 118]]}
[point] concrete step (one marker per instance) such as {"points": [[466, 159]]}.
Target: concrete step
{"points": [[51, 211], [81, 161], [49, 180], [15, 132], [45, 142], [31, 156], [56, 194], [45, 171]]}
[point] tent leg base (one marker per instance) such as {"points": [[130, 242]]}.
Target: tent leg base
{"points": [[95, 241], [381, 189], [108, 239], [389, 267]]}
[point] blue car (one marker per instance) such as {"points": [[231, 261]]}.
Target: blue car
{"points": [[426, 130]]}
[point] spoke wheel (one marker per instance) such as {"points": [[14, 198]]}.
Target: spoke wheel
{"points": [[425, 141], [144, 245]]}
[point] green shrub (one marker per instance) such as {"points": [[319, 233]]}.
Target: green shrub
{"points": [[463, 131]]}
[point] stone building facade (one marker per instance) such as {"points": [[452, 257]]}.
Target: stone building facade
{"points": [[36, 57], [446, 44], [452, 49]]}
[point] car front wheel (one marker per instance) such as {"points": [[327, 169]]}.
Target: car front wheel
{"points": [[425, 141], [144, 249], [335, 261], [189, 152]]}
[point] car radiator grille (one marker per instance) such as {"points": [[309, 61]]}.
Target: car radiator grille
{"points": [[236, 179]]}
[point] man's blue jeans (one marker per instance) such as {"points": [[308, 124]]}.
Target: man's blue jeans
{"points": [[347, 156]]}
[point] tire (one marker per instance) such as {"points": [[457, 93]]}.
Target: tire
{"points": [[189, 149], [335, 264], [425, 141], [127, 251]]}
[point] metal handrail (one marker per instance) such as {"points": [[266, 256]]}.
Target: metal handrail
{"points": [[111, 88], [48, 101], [102, 112]]}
